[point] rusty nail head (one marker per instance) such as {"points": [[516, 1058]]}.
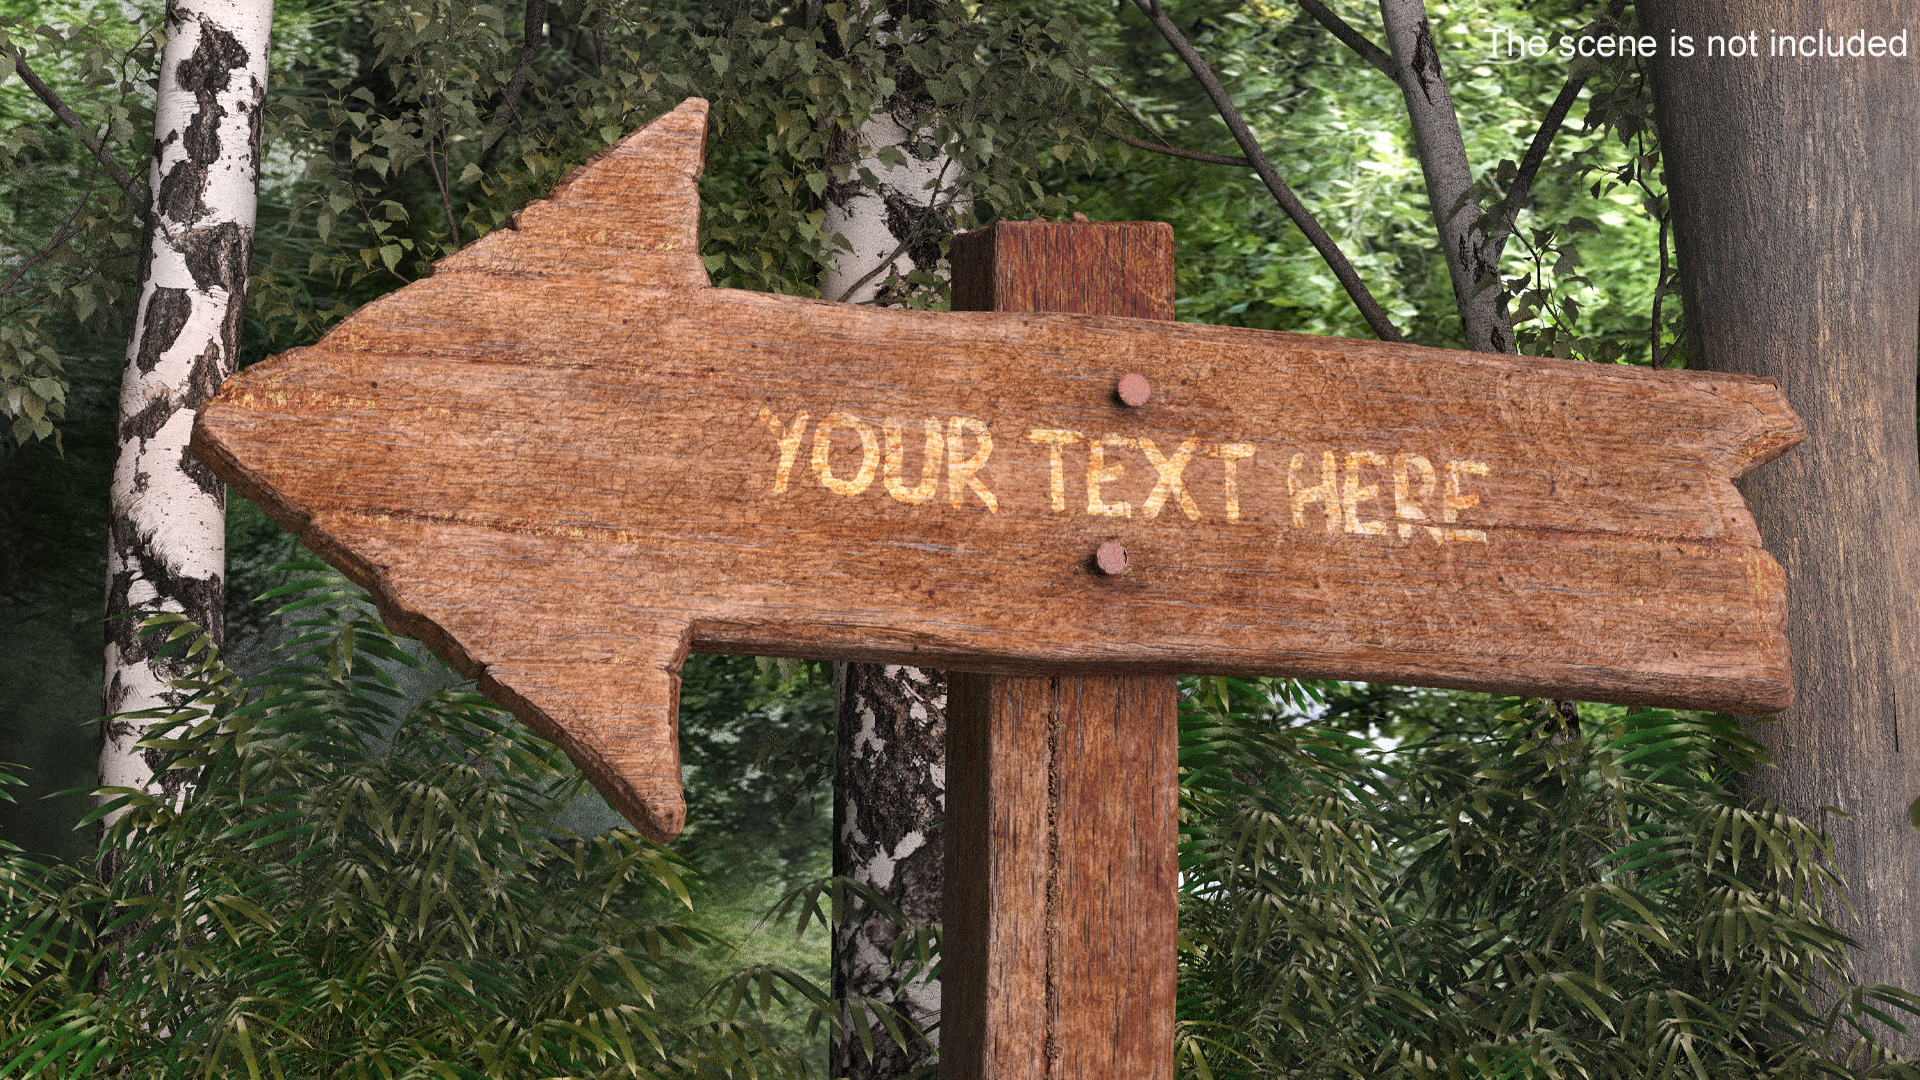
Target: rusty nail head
{"points": [[1134, 389], [1111, 558]]}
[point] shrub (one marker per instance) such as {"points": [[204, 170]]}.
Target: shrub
{"points": [[1552, 901], [360, 881]]}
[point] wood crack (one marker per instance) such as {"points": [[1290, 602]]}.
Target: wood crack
{"points": [[1053, 928]]}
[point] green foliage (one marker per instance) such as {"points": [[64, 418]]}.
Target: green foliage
{"points": [[448, 124], [369, 876], [1536, 903], [53, 543], [1335, 129], [361, 882], [765, 990], [1617, 158], [756, 754], [373, 873], [39, 930], [69, 242]]}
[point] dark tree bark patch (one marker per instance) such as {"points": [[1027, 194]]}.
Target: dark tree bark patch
{"points": [[167, 313], [181, 191], [217, 257], [150, 419], [217, 56]]}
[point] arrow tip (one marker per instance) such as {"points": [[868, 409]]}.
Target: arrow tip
{"points": [[630, 215]]}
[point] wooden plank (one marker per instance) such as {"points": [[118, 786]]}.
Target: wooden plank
{"points": [[1088, 268], [995, 1017], [562, 462], [1116, 839], [1063, 792], [1061, 903]]}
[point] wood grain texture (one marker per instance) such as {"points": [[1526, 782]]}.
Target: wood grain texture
{"points": [[994, 1014], [1116, 846], [1074, 779], [562, 468], [1092, 268], [1062, 872]]}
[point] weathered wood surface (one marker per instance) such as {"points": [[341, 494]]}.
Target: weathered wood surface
{"points": [[562, 461], [1061, 911], [1062, 855], [1084, 267]]}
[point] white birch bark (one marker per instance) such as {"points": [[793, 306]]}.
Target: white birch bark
{"points": [[890, 721], [889, 798], [167, 528], [896, 225]]}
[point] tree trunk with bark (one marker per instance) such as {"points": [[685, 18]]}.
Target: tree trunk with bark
{"points": [[1472, 255], [897, 225], [889, 799], [1794, 200], [167, 529], [890, 721]]}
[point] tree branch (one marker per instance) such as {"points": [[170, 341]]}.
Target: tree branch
{"points": [[1353, 39], [600, 40], [919, 226], [1163, 146], [530, 35], [1536, 154], [442, 173], [105, 157], [1191, 155], [1457, 216], [1329, 251], [71, 226], [1550, 125], [1659, 294]]}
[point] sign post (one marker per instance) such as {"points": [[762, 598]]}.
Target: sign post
{"points": [[1062, 833], [564, 460]]}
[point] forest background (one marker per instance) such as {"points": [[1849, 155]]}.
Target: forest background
{"points": [[399, 131]]}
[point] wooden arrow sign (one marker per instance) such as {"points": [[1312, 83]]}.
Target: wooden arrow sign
{"points": [[564, 460]]}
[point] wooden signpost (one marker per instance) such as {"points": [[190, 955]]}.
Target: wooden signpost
{"points": [[565, 460], [1061, 905]]}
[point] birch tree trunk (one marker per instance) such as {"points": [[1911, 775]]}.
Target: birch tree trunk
{"points": [[1796, 188], [889, 798], [167, 525], [890, 721], [898, 225]]}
